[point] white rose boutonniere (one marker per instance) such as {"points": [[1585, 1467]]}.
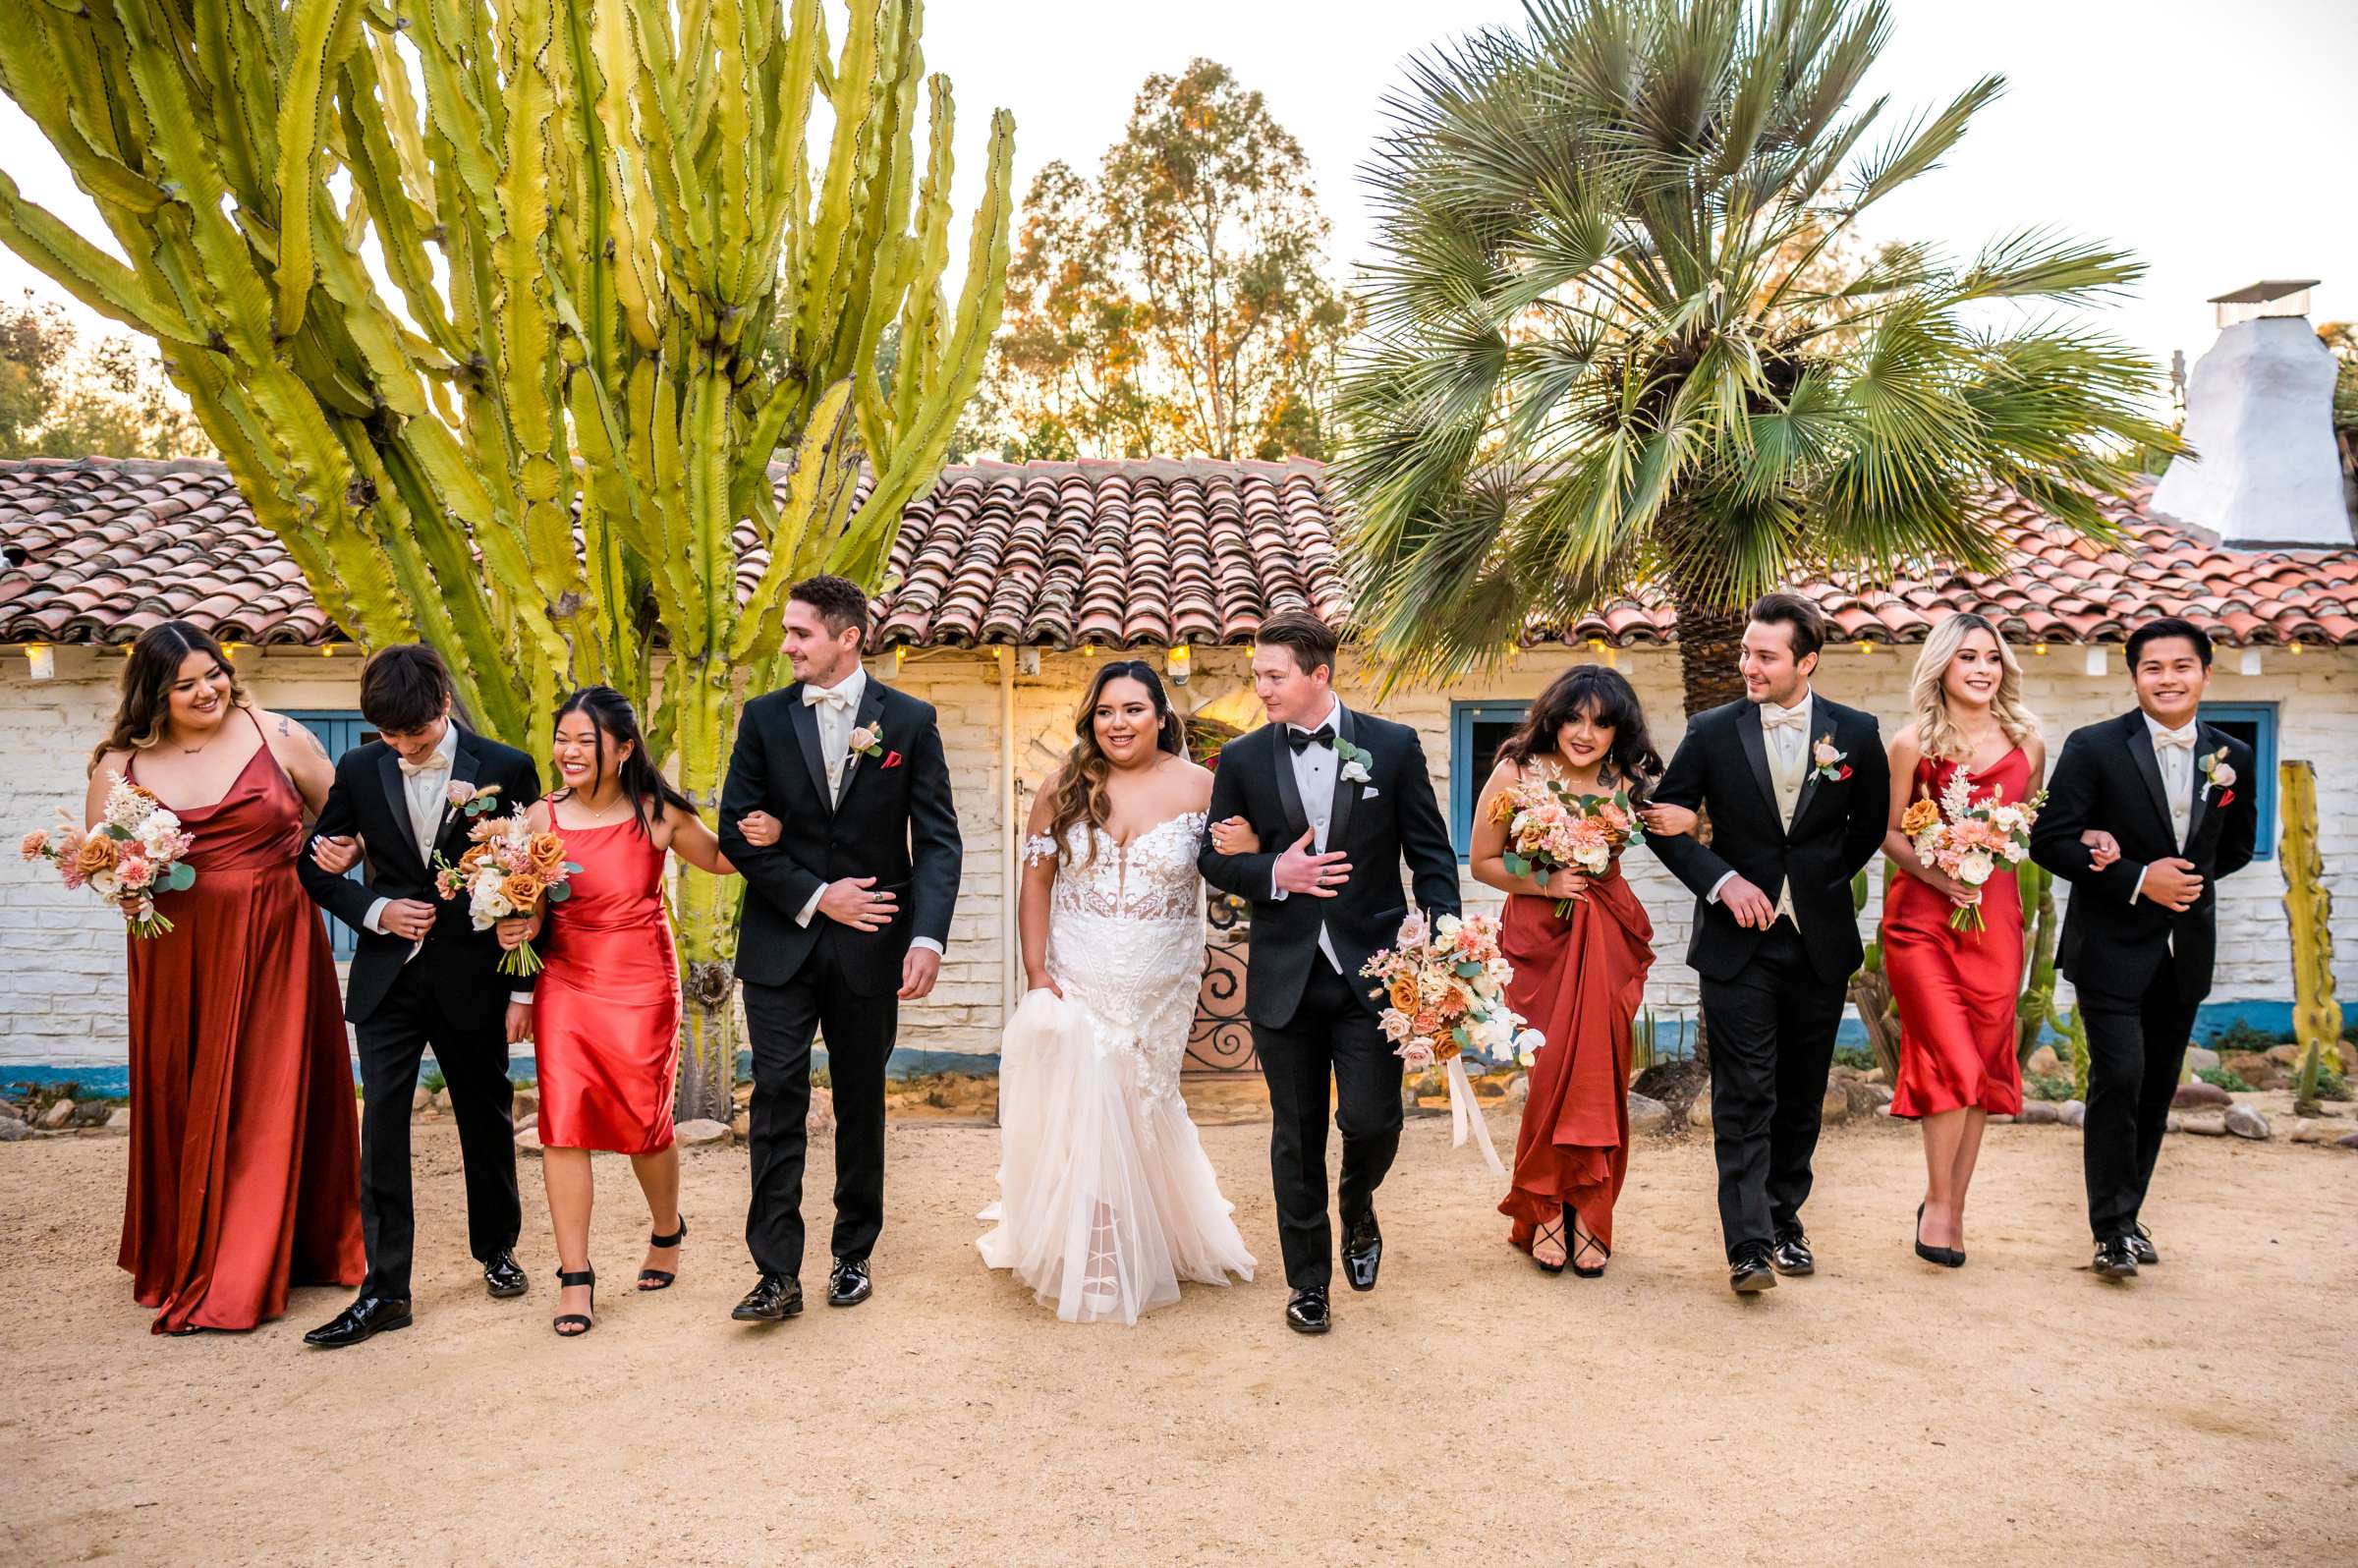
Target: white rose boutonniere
{"points": [[1352, 762], [864, 742], [1826, 762]]}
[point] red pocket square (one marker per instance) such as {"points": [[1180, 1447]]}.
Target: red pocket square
{"points": [[2227, 797], [892, 760]]}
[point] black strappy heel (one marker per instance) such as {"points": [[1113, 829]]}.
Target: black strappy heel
{"points": [[655, 1278], [1544, 1232], [1582, 1246], [567, 1278]]}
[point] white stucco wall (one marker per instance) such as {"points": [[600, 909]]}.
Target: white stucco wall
{"points": [[61, 956]]}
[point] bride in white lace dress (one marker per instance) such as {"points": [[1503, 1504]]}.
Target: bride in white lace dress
{"points": [[1106, 1199]]}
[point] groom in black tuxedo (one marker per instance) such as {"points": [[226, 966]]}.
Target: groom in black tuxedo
{"points": [[423, 977], [2175, 796], [844, 918], [1797, 790], [1339, 800]]}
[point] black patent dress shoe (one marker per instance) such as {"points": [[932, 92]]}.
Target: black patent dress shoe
{"points": [[1791, 1255], [2114, 1259], [1749, 1271], [849, 1285], [503, 1276], [773, 1300], [1306, 1312], [1363, 1252], [370, 1314], [2141, 1247]]}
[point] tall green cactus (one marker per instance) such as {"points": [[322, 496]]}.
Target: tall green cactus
{"points": [[1871, 988], [477, 305], [2033, 1009], [2309, 906]]}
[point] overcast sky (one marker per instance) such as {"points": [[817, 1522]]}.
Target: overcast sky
{"points": [[2211, 139]]}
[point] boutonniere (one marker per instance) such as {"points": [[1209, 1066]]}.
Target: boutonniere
{"points": [[1827, 763], [2219, 775], [866, 741], [1353, 761], [471, 801]]}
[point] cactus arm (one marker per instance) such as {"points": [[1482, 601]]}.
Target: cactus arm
{"points": [[2309, 909], [324, 32]]}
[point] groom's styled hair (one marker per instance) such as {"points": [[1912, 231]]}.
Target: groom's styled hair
{"points": [[1800, 618], [1312, 643], [2168, 626], [839, 601], [404, 687]]}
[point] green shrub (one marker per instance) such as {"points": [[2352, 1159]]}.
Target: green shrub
{"points": [[2221, 1078], [2037, 1086], [1858, 1056], [2332, 1085], [431, 1081], [2242, 1036]]}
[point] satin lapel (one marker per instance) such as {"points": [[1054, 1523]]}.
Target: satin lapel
{"points": [[1755, 751], [397, 801], [871, 712], [1809, 767], [2139, 741], [804, 721], [2206, 741], [1346, 793], [1288, 792]]}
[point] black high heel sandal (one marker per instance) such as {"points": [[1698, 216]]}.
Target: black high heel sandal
{"points": [[1946, 1257], [1557, 1231], [656, 1278], [1582, 1246], [567, 1278]]}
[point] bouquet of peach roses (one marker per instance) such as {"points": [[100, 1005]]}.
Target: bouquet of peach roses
{"points": [[508, 869], [1970, 839], [1446, 986], [1552, 827], [133, 854]]}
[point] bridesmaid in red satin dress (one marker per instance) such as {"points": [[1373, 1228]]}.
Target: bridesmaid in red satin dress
{"points": [[1957, 990], [605, 1017], [245, 1139], [1578, 981]]}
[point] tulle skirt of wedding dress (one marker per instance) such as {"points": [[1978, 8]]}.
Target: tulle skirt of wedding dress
{"points": [[1108, 1200]]}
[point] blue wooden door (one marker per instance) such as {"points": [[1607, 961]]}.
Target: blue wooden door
{"points": [[339, 731]]}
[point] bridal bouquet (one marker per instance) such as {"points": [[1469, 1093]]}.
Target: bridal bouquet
{"points": [[508, 869], [1969, 839], [1550, 827], [1446, 991], [132, 855]]}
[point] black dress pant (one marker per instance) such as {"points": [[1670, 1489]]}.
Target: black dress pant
{"points": [[471, 1047], [1332, 1032], [2136, 1045], [858, 1030], [1771, 1035]]}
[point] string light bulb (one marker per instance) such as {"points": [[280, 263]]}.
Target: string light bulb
{"points": [[40, 661]]}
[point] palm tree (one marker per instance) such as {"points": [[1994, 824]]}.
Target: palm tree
{"points": [[1610, 344]]}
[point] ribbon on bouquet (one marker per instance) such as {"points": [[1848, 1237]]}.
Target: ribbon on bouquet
{"points": [[1465, 1109]]}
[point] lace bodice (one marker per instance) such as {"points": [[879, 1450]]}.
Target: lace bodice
{"points": [[1152, 877]]}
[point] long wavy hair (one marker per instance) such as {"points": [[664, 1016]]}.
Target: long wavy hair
{"points": [[614, 720], [1078, 792], [1605, 695], [1936, 734], [148, 677]]}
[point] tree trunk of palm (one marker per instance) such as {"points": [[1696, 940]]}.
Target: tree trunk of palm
{"points": [[1710, 637]]}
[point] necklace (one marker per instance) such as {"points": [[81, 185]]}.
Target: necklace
{"points": [[598, 818]]}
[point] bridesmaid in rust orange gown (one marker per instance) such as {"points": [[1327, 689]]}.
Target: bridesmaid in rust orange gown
{"points": [[605, 1017], [245, 1140], [1957, 990], [1578, 979]]}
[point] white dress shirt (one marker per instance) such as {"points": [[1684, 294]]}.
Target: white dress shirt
{"points": [[1314, 772], [837, 710], [2173, 750], [1788, 748], [424, 791]]}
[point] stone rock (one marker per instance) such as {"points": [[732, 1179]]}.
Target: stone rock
{"points": [[1875, 1075], [2198, 1094], [527, 1106], [2071, 1113], [419, 1099], [2002, 1119], [701, 1130], [60, 1112], [2348, 1142], [1646, 1114], [822, 1119], [2315, 1130], [743, 1094], [2252, 1068], [441, 1100], [1835, 1108], [1840, 1073], [8, 1111], [528, 1139], [2205, 1124], [741, 1126], [1517, 1090], [2044, 1063], [90, 1113], [1698, 1111], [2284, 1057], [2037, 1113], [2245, 1122], [1880, 1093], [2201, 1058], [117, 1120], [2173, 1123], [12, 1131]]}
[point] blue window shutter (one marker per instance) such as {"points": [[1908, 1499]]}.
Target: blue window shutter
{"points": [[339, 730], [2254, 724], [1475, 730]]}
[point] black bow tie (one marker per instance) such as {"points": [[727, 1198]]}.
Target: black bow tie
{"points": [[1301, 739]]}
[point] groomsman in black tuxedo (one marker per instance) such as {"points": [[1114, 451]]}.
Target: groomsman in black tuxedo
{"points": [[1797, 793], [2166, 801], [423, 977], [844, 918], [1339, 800]]}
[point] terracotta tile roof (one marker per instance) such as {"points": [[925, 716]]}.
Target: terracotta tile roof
{"points": [[1118, 553]]}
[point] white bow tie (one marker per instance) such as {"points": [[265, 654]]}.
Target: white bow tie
{"points": [[826, 695], [1773, 717], [435, 764], [2174, 740]]}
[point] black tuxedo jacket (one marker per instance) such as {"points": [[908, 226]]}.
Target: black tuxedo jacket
{"points": [[1721, 767], [1390, 818], [893, 820], [2108, 778], [367, 800]]}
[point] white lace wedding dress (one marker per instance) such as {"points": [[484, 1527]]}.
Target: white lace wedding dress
{"points": [[1106, 1199]]}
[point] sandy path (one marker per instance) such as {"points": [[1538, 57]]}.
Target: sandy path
{"points": [[1469, 1410]]}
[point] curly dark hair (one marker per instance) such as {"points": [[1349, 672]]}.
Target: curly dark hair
{"points": [[840, 603], [148, 676], [1609, 700], [1078, 794]]}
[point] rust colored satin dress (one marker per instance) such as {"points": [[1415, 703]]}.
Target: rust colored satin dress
{"points": [[1956, 990], [1578, 981], [606, 1010], [245, 1139]]}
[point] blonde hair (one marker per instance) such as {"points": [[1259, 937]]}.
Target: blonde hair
{"points": [[1936, 734]]}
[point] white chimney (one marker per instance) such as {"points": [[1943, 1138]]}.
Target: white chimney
{"points": [[2259, 415]]}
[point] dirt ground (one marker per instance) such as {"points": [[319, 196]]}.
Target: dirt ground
{"points": [[1471, 1410]]}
